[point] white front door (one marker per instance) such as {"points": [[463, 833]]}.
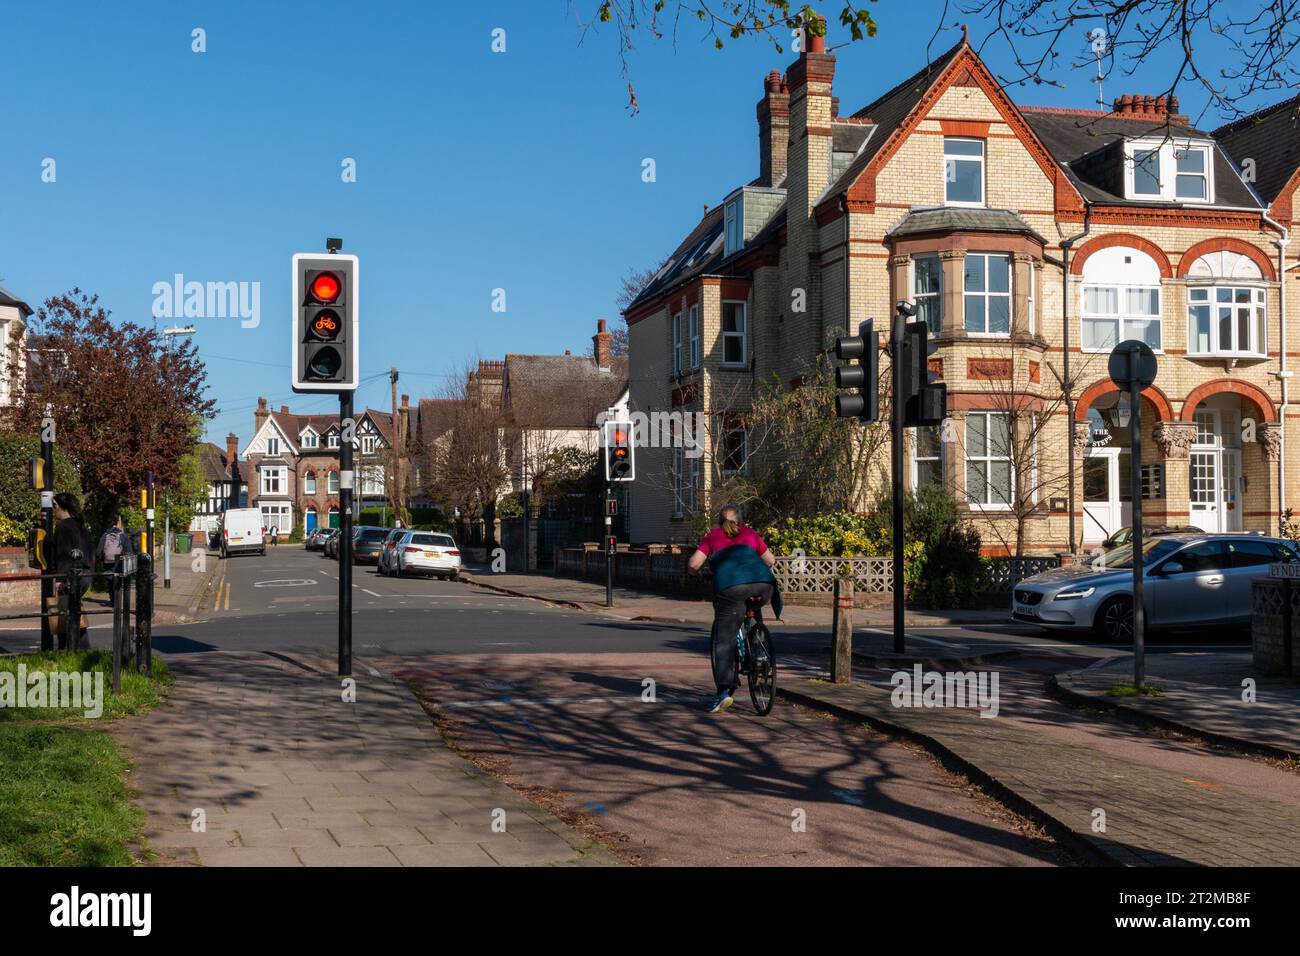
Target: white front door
{"points": [[1204, 479], [1214, 474], [1107, 493]]}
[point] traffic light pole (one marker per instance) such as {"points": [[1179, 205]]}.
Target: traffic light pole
{"points": [[609, 550], [345, 540], [47, 522], [896, 411]]}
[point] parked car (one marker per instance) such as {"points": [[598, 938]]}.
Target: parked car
{"points": [[385, 564], [242, 531], [1189, 581], [316, 540], [368, 543], [330, 547], [1124, 535], [426, 552]]}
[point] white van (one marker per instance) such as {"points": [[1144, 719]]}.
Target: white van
{"points": [[241, 530]]}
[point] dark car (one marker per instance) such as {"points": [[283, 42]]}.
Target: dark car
{"points": [[368, 544]]}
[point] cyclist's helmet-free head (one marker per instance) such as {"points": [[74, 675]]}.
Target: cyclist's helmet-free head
{"points": [[729, 519]]}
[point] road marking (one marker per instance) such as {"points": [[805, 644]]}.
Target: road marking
{"points": [[368, 591]]}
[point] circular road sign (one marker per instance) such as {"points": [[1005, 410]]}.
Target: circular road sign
{"points": [[1132, 363]]}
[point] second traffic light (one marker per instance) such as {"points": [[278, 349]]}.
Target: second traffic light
{"points": [[326, 340], [925, 402], [863, 375], [617, 447]]}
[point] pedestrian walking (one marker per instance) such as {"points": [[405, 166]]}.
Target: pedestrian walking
{"points": [[113, 543], [275, 534], [72, 551]]}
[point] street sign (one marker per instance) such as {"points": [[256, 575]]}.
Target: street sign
{"points": [[1132, 362]]}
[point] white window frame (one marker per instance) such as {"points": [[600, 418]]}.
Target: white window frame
{"points": [[280, 517], [677, 344], [1031, 321], [1122, 316], [308, 439], [744, 453], [733, 225], [1167, 164], [1009, 295], [273, 475], [272, 445], [309, 482], [988, 458], [332, 441], [332, 482], [368, 443], [957, 157], [1258, 327], [696, 357], [917, 457], [937, 295], [742, 334]]}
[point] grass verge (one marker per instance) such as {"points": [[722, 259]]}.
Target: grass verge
{"points": [[64, 799]]}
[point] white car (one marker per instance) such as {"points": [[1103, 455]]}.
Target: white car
{"points": [[241, 530], [426, 552]]}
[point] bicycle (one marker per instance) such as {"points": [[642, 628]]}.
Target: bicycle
{"points": [[756, 656]]}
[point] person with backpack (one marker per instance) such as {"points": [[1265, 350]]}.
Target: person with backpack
{"points": [[113, 543], [72, 550]]}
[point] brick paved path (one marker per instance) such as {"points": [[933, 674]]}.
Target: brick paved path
{"points": [[290, 775]]}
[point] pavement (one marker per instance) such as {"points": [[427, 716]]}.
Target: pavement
{"points": [[285, 772], [1205, 693], [638, 605], [1123, 795]]}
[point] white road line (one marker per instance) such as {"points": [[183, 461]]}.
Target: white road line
{"points": [[370, 592]]}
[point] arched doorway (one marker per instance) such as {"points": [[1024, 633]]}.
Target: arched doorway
{"points": [[309, 520], [334, 516]]}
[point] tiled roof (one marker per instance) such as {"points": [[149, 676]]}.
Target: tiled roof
{"points": [[1269, 137], [694, 256], [1073, 135], [960, 219], [561, 391], [215, 466]]}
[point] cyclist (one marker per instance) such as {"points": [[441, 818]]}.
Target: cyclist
{"points": [[742, 568]]}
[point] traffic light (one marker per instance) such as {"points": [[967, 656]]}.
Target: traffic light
{"points": [[36, 473], [864, 375], [618, 451], [326, 346], [925, 402]]}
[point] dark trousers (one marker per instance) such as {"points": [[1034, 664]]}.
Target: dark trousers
{"points": [[728, 613]]}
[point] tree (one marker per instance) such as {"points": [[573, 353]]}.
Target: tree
{"points": [[20, 505], [1228, 50], [632, 284], [124, 403]]}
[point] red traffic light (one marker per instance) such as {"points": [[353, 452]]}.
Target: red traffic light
{"points": [[325, 287], [620, 437]]}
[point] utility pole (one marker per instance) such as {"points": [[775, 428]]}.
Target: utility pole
{"points": [[168, 336], [896, 410], [397, 451]]}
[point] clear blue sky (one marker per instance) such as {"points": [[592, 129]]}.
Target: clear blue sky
{"points": [[475, 170]]}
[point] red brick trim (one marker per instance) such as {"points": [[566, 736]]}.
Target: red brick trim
{"points": [[1096, 390], [1184, 218], [978, 129], [1282, 209], [1227, 244], [1121, 239], [988, 368], [1218, 386]]}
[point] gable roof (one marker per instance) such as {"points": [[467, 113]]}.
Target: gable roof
{"points": [[8, 298], [1270, 137], [561, 391], [694, 256], [1074, 135]]}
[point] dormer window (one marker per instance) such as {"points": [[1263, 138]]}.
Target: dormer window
{"points": [[963, 171], [733, 217], [308, 439], [1168, 171]]}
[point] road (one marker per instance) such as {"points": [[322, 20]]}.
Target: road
{"points": [[601, 720]]}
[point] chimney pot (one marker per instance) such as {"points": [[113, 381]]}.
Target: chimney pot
{"points": [[816, 44], [284, 409], [600, 325], [772, 83]]}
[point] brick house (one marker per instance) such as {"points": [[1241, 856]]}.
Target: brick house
{"points": [[293, 465], [1031, 240], [226, 488]]}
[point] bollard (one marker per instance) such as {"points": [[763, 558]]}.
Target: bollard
{"points": [[842, 649]]}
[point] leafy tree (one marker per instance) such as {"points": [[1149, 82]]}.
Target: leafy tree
{"points": [[19, 503], [124, 401]]}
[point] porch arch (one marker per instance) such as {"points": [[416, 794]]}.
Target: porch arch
{"points": [[1218, 386], [1164, 411]]}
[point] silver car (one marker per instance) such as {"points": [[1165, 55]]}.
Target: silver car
{"points": [[1189, 581]]}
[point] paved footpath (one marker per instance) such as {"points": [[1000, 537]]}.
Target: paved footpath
{"points": [[1164, 803], [1203, 692], [287, 774]]}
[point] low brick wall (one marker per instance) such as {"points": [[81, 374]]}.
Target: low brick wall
{"points": [[18, 586], [1275, 616]]}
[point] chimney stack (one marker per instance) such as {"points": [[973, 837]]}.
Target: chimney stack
{"points": [[259, 417], [1137, 104], [603, 345], [773, 129], [232, 448], [284, 409]]}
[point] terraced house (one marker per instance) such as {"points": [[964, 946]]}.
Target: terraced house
{"points": [[1031, 240]]}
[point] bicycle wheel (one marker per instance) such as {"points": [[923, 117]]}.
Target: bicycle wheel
{"points": [[761, 670]]}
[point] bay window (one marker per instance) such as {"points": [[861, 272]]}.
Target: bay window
{"points": [[927, 289], [1225, 320], [989, 479], [987, 295]]}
